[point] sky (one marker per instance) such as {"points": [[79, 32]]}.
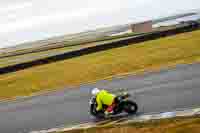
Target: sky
{"points": [[29, 20]]}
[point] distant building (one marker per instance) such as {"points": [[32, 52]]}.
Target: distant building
{"points": [[142, 27]]}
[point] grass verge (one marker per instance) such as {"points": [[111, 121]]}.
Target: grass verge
{"points": [[56, 49], [6, 61], [173, 125], [150, 55]]}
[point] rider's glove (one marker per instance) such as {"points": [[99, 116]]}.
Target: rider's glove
{"points": [[107, 114]]}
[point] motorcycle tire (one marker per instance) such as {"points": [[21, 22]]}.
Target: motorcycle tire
{"points": [[130, 107]]}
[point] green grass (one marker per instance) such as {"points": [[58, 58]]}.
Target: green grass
{"points": [[39, 55], [150, 55], [117, 36], [12, 60], [28, 57]]}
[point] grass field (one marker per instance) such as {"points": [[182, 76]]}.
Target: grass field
{"points": [[150, 55], [173, 125], [29, 56]]}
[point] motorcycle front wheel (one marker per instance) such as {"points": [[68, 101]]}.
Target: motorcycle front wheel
{"points": [[96, 114]]}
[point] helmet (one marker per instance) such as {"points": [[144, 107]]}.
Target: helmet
{"points": [[95, 91]]}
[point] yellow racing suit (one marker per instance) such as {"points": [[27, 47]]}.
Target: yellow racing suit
{"points": [[104, 98]]}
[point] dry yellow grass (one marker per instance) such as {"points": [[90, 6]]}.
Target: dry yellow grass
{"points": [[183, 48], [174, 125]]}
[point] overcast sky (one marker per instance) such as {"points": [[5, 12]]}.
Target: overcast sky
{"points": [[27, 20]]}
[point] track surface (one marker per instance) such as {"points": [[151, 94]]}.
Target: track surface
{"points": [[154, 92]]}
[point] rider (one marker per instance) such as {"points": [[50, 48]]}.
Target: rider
{"points": [[103, 97]]}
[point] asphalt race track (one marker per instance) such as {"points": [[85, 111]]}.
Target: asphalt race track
{"points": [[166, 90]]}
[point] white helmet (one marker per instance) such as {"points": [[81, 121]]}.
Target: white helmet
{"points": [[95, 91]]}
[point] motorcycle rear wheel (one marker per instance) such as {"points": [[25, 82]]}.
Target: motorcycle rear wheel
{"points": [[130, 107]]}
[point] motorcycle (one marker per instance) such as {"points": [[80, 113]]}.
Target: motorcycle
{"points": [[122, 104]]}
